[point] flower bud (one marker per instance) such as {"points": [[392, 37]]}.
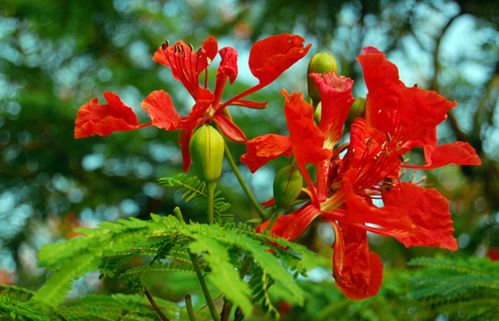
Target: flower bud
{"points": [[320, 63], [207, 152], [357, 110], [287, 185]]}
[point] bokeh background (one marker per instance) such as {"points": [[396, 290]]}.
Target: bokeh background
{"points": [[55, 55]]}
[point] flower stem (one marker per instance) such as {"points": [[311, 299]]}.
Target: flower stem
{"points": [[197, 269], [252, 199], [190, 310], [155, 306], [211, 197]]}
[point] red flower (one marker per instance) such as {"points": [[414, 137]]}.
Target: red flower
{"points": [[409, 115], [269, 58], [398, 118]]}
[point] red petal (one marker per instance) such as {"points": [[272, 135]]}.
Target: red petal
{"points": [[427, 214], [413, 215], [459, 153], [210, 48], [410, 114], [159, 106], [307, 140], [228, 65], [291, 226], [270, 57], [336, 100], [230, 129], [265, 148], [357, 271], [370, 49], [159, 57], [96, 119]]}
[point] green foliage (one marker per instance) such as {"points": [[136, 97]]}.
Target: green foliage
{"points": [[192, 188], [115, 307], [260, 284], [114, 243], [14, 305], [466, 289]]}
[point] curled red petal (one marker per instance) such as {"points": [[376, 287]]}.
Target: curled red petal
{"points": [[228, 65], [336, 100], [459, 153], [291, 226], [96, 119], [265, 148], [159, 106], [307, 140], [357, 271], [230, 129], [210, 48], [270, 57]]}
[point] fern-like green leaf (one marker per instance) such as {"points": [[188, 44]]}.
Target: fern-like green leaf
{"points": [[15, 309], [166, 240], [260, 283], [451, 284], [223, 274]]}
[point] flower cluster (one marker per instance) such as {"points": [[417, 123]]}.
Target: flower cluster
{"points": [[268, 59], [351, 180], [348, 189]]}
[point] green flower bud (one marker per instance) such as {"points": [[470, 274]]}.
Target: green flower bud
{"points": [[320, 63], [357, 110], [207, 152], [287, 185]]}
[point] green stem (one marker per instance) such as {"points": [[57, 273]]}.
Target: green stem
{"points": [[190, 310], [202, 282], [263, 214], [211, 197]]}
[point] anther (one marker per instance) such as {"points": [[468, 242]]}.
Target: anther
{"points": [[190, 46], [164, 45]]}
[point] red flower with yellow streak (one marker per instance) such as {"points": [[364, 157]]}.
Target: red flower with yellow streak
{"points": [[397, 119], [268, 59]]}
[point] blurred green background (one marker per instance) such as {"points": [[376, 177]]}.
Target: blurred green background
{"points": [[57, 55]]}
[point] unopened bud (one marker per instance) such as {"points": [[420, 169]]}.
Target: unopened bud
{"points": [[207, 152], [357, 110], [320, 63], [287, 185]]}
